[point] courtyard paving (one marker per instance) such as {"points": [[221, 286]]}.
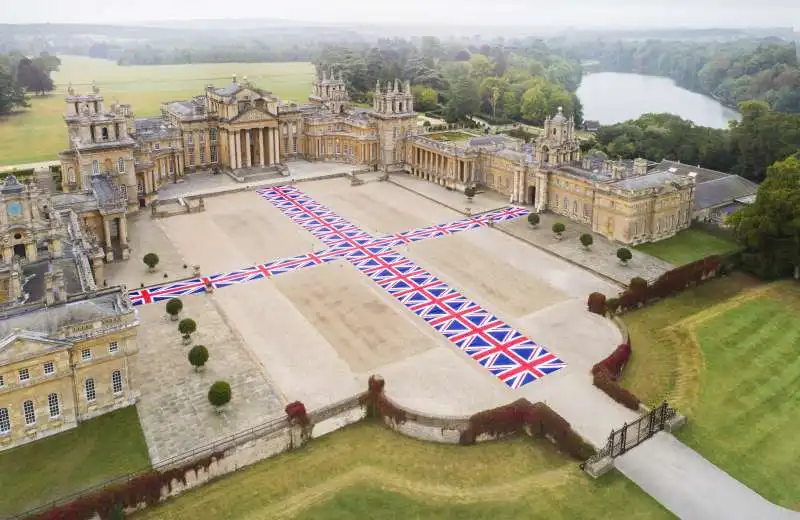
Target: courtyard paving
{"points": [[174, 411]]}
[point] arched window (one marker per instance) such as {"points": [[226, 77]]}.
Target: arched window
{"points": [[121, 165], [5, 421], [53, 404], [116, 381], [95, 167], [29, 412], [566, 204], [88, 386]]}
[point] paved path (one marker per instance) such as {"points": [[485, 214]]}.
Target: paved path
{"points": [[692, 487]]}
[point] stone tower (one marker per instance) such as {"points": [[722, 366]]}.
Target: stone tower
{"points": [[330, 92], [394, 111], [557, 144], [99, 143]]}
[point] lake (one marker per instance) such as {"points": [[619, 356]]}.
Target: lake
{"points": [[612, 97]]}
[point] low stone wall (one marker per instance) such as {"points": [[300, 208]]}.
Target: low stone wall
{"points": [[441, 429], [338, 415]]}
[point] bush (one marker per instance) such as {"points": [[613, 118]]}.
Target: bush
{"points": [[150, 260], [174, 307], [297, 413], [533, 219], [587, 240], [638, 289], [559, 228], [198, 356], [187, 327], [612, 304], [624, 254], [470, 191], [606, 373], [597, 303], [220, 393]]}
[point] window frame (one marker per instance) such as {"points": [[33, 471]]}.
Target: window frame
{"points": [[86, 354], [87, 390], [52, 366], [54, 402], [27, 373], [113, 347], [29, 413], [96, 167], [116, 382], [121, 165], [2, 381], [5, 420]]}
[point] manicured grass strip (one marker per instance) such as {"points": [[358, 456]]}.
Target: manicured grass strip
{"points": [[96, 451], [687, 246], [749, 408], [369, 457], [39, 133]]}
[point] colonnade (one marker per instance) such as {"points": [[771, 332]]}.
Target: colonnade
{"points": [[253, 147], [431, 165]]}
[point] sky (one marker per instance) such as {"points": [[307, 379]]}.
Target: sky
{"points": [[561, 13]]}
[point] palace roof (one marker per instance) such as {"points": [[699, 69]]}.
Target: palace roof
{"points": [[722, 191]]}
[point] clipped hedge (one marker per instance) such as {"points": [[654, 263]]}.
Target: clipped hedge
{"points": [[297, 413], [597, 303], [606, 373], [522, 416]]}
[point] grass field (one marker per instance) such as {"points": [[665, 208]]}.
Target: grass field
{"points": [[368, 471], [38, 133], [97, 450], [725, 353], [687, 246]]}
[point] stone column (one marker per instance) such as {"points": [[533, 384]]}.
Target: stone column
{"points": [[261, 147], [30, 251], [238, 148], [271, 143], [107, 233], [232, 149], [123, 230], [277, 146], [97, 270], [247, 149]]}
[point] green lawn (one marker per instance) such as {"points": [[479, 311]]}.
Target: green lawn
{"points": [[369, 471], [38, 133], [725, 353], [687, 246], [97, 450]]}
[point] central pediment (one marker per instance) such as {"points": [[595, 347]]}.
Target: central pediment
{"points": [[20, 344], [253, 114]]}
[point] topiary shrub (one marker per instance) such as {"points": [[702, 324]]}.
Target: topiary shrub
{"points": [[638, 289], [624, 254], [470, 192], [533, 219], [198, 356], [220, 394], [151, 261], [559, 228], [297, 413], [606, 373], [174, 308], [187, 327], [587, 240], [597, 303]]}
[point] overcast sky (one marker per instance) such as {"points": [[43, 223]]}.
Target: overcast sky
{"points": [[584, 13]]}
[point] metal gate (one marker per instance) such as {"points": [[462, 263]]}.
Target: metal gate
{"points": [[635, 433]]}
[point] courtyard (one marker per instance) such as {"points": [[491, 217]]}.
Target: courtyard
{"points": [[316, 333]]}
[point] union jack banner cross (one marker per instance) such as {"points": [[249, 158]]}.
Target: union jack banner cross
{"points": [[506, 353]]}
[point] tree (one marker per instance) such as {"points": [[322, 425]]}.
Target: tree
{"points": [[198, 356], [480, 67], [559, 228], [769, 228], [425, 98], [219, 394], [624, 254], [32, 78], [151, 261], [187, 327], [533, 219], [464, 97], [11, 94], [470, 191], [587, 240], [174, 308]]}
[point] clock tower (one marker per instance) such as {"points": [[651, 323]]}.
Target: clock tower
{"points": [[28, 229]]}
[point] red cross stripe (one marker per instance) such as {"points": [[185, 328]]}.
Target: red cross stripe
{"points": [[470, 307], [522, 365], [480, 331]]}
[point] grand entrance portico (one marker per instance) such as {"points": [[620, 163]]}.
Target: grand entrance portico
{"points": [[253, 147]]}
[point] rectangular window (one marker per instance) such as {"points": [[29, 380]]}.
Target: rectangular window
{"points": [[121, 165], [5, 421], [29, 412], [113, 347], [2, 382], [116, 381], [86, 354], [213, 153], [157, 146], [24, 375], [189, 138], [53, 404], [91, 395], [191, 157], [202, 135], [49, 368], [202, 155], [213, 134]]}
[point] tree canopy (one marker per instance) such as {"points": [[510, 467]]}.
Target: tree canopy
{"points": [[770, 227]]}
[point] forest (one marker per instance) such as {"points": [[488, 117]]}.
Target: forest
{"points": [[452, 80], [731, 72]]}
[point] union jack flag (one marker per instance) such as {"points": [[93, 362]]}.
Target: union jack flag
{"points": [[166, 291]]}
